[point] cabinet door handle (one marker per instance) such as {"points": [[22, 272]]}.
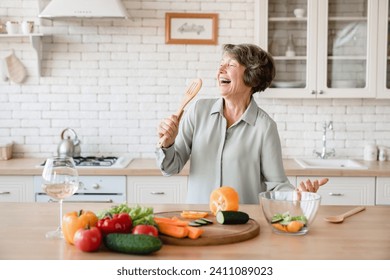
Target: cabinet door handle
{"points": [[157, 193], [321, 92], [313, 92], [336, 194], [1, 193]]}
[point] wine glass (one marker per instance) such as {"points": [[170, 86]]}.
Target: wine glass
{"points": [[60, 180]]}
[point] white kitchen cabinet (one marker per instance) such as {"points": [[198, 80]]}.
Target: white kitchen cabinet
{"points": [[383, 191], [36, 43], [156, 189], [383, 89], [346, 190], [16, 189], [333, 50]]}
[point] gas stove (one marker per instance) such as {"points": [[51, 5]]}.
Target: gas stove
{"points": [[101, 162]]}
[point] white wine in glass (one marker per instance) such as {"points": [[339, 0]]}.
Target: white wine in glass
{"points": [[59, 181]]}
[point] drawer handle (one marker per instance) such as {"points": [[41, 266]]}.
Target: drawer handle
{"points": [[5, 193], [336, 194], [157, 193]]}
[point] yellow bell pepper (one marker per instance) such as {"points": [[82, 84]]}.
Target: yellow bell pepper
{"points": [[73, 221]]}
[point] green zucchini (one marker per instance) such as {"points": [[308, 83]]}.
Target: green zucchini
{"points": [[132, 243], [201, 222], [207, 220], [232, 217], [194, 224]]}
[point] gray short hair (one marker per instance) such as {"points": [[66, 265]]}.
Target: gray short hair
{"points": [[259, 65]]}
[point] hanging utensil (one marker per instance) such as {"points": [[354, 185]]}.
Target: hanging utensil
{"points": [[191, 91], [15, 68]]}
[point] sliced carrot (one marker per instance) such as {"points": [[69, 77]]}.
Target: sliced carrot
{"points": [[280, 227], [179, 221], [194, 233], [171, 221], [193, 214], [172, 230], [294, 226]]}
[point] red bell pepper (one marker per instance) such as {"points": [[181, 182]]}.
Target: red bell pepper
{"points": [[117, 223]]}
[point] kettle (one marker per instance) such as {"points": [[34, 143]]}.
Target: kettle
{"points": [[69, 146]]}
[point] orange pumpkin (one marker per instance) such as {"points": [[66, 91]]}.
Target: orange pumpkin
{"points": [[224, 198]]}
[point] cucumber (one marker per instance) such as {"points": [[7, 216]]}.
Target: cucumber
{"points": [[194, 224], [132, 243], [232, 217], [207, 220], [201, 222]]}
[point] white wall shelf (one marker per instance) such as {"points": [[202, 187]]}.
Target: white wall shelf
{"points": [[36, 43]]}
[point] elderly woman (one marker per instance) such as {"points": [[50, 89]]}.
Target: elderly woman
{"points": [[229, 141]]}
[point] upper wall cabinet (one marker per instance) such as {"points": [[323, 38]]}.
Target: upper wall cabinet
{"points": [[383, 50], [322, 49]]}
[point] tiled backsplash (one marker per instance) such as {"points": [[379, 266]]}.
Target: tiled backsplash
{"points": [[113, 80]]}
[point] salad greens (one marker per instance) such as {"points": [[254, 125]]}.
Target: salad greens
{"points": [[140, 215], [286, 218]]}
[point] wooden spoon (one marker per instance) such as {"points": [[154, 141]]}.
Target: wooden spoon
{"points": [[191, 91], [340, 218]]}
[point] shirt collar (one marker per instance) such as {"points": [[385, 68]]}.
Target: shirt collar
{"points": [[249, 115]]}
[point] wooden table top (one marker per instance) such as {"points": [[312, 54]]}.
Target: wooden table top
{"points": [[364, 236]]}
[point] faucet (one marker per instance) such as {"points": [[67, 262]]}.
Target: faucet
{"points": [[324, 154]]}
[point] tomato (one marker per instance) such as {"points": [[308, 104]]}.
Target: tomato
{"points": [[88, 239], [145, 229]]}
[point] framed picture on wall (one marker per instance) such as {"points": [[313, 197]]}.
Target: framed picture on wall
{"points": [[185, 28]]}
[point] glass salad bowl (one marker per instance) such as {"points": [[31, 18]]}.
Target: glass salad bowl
{"points": [[289, 212]]}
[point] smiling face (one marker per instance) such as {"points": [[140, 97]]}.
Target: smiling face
{"points": [[230, 77]]}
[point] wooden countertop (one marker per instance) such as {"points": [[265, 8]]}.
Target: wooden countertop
{"points": [[148, 167], [364, 236]]}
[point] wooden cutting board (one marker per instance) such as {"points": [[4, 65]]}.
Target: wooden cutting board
{"points": [[214, 234]]}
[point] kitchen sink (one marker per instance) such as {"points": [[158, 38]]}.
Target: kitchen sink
{"points": [[330, 164]]}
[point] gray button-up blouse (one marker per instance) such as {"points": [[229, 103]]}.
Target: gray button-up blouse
{"points": [[246, 156]]}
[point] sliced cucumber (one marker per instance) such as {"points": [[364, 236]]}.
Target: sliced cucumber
{"points": [[207, 220], [201, 222], [194, 224], [232, 217]]}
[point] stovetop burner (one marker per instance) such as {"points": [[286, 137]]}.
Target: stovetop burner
{"points": [[100, 161], [94, 161]]}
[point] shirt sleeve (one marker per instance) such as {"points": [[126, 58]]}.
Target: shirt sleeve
{"points": [[273, 173], [171, 160]]}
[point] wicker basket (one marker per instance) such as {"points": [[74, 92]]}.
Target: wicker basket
{"points": [[5, 151]]}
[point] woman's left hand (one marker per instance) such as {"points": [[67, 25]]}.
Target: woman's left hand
{"points": [[310, 186]]}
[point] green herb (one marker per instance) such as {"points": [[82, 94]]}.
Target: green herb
{"points": [[286, 218], [140, 215]]}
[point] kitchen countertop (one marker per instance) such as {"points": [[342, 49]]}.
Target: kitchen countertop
{"points": [[364, 236], [148, 167]]}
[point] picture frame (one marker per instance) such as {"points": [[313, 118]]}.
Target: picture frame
{"points": [[191, 28]]}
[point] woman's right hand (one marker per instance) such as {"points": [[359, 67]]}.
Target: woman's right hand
{"points": [[168, 128]]}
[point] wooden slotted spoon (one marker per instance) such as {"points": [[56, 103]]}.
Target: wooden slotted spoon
{"points": [[191, 91], [340, 218]]}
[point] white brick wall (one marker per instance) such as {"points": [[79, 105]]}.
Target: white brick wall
{"points": [[112, 81]]}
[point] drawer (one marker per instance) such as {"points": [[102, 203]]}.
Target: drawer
{"points": [[16, 188], [156, 189], [347, 190]]}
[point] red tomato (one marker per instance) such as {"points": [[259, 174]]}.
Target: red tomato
{"points": [[88, 239], [145, 229]]}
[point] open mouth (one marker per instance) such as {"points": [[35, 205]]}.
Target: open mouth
{"points": [[224, 81]]}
